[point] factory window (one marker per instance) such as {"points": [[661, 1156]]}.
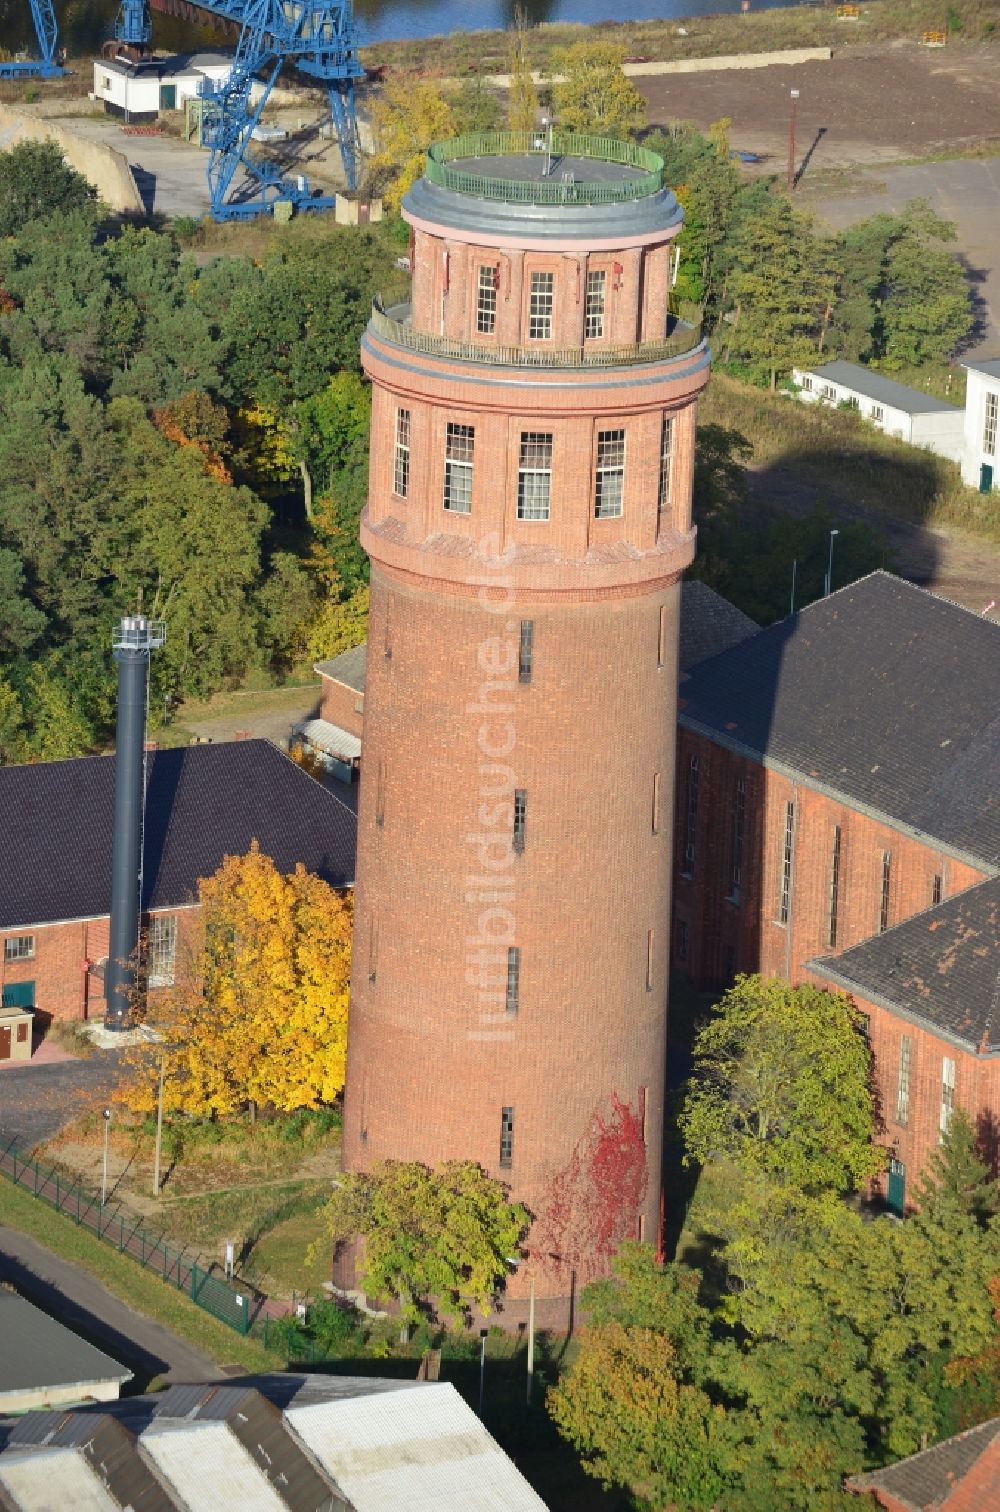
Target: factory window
{"points": [[19, 948], [787, 850], [936, 888], [520, 817], [161, 950], [506, 1137], [691, 816], [834, 900], [540, 308], [990, 425], [656, 803], [903, 1083], [739, 827], [401, 479], [947, 1093], [877, 413], [883, 910], [661, 639], [486, 306], [525, 651], [593, 316], [666, 457], [534, 477], [459, 445], [610, 478], [513, 977]]}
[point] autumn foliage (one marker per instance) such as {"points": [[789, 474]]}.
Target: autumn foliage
{"points": [[258, 1012]]}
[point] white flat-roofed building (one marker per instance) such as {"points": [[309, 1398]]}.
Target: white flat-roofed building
{"points": [[137, 92], [981, 464], [898, 410]]}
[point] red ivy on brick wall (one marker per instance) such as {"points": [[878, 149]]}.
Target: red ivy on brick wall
{"points": [[593, 1203]]}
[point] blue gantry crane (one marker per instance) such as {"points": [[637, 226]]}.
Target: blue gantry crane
{"points": [[318, 37], [48, 65]]}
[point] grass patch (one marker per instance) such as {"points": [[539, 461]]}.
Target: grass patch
{"points": [[844, 456], [272, 1227], [138, 1288], [282, 1261]]}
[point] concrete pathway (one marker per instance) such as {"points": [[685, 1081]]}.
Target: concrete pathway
{"points": [[75, 1298]]}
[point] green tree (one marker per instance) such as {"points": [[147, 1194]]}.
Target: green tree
{"points": [[331, 430], [594, 94], [54, 726], [407, 117], [781, 1084], [956, 1180], [475, 106], [13, 747], [779, 286], [21, 623], [707, 183], [434, 1240], [35, 181]]}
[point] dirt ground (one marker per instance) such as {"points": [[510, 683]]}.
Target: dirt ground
{"points": [[864, 106]]}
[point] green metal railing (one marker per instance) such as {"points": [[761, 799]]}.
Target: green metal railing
{"points": [[645, 180], [111, 1223], [684, 336]]}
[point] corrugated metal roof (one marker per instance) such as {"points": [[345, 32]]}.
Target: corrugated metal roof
{"points": [[421, 1448], [872, 385], [331, 738], [38, 1352], [53, 1480], [202, 1462]]}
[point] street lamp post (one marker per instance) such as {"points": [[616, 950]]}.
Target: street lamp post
{"points": [[547, 123], [482, 1366], [104, 1175], [516, 1262], [794, 96], [159, 1128], [829, 566]]}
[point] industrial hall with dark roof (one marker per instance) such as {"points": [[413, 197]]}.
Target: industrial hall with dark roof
{"points": [[838, 820]]}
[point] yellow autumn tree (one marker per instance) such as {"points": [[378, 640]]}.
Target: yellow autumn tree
{"points": [[407, 117], [258, 1013], [595, 95], [522, 95], [340, 625]]}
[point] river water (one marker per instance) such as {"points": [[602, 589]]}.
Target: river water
{"points": [[83, 24]]}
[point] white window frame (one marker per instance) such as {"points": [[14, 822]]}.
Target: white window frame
{"points": [[534, 476], [459, 458], [401, 460], [161, 950], [666, 463], [787, 866], [609, 474], [877, 414], [947, 1093], [991, 408], [540, 303], [486, 300], [19, 948], [903, 1079], [595, 304]]}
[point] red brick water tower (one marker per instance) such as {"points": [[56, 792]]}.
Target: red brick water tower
{"points": [[528, 523]]}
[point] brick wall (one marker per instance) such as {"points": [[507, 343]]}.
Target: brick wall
{"points": [[342, 706]]}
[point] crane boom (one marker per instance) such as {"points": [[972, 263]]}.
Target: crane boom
{"points": [[48, 64]]}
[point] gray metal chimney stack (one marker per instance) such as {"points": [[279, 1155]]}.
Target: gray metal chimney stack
{"points": [[133, 641]]}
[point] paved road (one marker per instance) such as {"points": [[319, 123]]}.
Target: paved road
{"points": [[89, 1309], [37, 1100]]}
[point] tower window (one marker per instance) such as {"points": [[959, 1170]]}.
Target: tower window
{"points": [[534, 477], [401, 475], [526, 651], [903, 1085], [513, 977], [990, 425], [520, 816], [593, 315], [666, 460], [650, 947], [691, 816], [506, 1137], [787, 852], [661, 637], [459, 445], [834, 904], [656, 803], [610, 480], [486, 305], [739, 825], [161, 950], [883, 911], [540, 308], [936, 889]]}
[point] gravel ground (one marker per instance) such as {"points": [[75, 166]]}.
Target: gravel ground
{"points": [[36, 1101]]}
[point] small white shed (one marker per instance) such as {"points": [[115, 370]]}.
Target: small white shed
{"points": [[895, 408], [982, 423], [137, 92]]}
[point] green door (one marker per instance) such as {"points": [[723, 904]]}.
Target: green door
{"points": [[895, 1196], [19, 995], [986, 478], [168, 96]]}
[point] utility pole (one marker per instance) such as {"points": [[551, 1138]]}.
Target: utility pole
{"points": [[106, 1115], [829, 566], [531, 1340], [159, 1128], [791, 140]]}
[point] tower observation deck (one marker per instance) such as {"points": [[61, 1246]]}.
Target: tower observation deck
{"points": [[528, 523]]}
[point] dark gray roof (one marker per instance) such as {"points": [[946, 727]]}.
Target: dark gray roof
{"points": [[881, 694], [927, 1479], [710, 624], [203, 803], [883, 390], [990, 367], [38, 1352], [347, 668], [941, 967]]}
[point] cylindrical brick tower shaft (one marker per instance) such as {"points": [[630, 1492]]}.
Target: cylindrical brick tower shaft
{"points": [[528, 522]]}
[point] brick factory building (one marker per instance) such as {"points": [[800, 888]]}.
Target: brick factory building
{"points": [[528, 522], [837, 803], [202, 804]]}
